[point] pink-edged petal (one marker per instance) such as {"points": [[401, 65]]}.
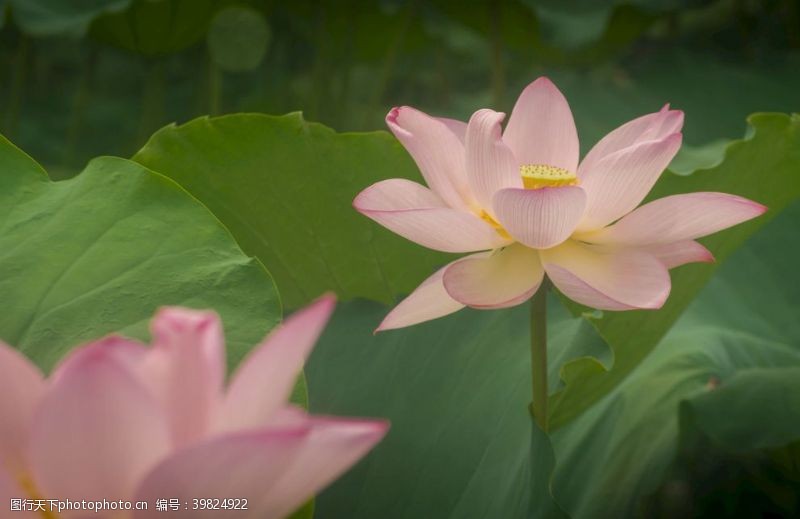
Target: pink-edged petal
{"points": [[650, 127], [397, 194], [186, 369], [97, 431], [265, 379], [680, 253], [541, 129], [678, 217], [436, 149], [10, 489], [332, 447], [417, 214], [459, 128], [490, 164], [607, 278], [127, 352], [499, 279], [428, 301], [21, 388], [540, 218], [619, 182], [243, 465]]}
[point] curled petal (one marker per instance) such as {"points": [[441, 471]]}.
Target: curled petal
{"points": [[187, 369], [607, 278], [417, 214], [541, 129], [677, 218], [680, 253], [490, 164], [97, 431], [500, 279], [265, 379], [436, 149], [619, 182], [428, 301], [22, 387], [540, 218], [650, 127]]}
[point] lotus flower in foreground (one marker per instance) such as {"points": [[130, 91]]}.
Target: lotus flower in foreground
{"points": [[521, 197], [121, 421]]}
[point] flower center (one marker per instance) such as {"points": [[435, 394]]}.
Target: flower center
{"points": [[537, 176], [494, 223]]}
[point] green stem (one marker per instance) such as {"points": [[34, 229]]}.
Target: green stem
{"points": [[539, 356]]}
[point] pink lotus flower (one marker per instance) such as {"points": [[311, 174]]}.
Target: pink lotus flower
{"points": [[120, 421], [521, 196]]}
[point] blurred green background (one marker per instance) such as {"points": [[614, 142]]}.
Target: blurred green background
{"points": [[97, 77]]}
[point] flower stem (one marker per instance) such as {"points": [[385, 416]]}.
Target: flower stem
{"points": [[539, 356]]}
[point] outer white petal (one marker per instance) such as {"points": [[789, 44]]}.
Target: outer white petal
{"points": [[680, 253], [418, 214], [677, 218], [429, 301], [503, 278], [607, 278]]}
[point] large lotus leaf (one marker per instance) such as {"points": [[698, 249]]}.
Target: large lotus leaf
{"points": [[764, 167], [769, 399], [57, 17], [100, 252], [456, 389], [457, 392], [157, 27], [744, 435], [732, 362], [284, 187]]}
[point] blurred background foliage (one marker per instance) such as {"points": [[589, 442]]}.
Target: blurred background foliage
{"points": [[81, 79]]}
